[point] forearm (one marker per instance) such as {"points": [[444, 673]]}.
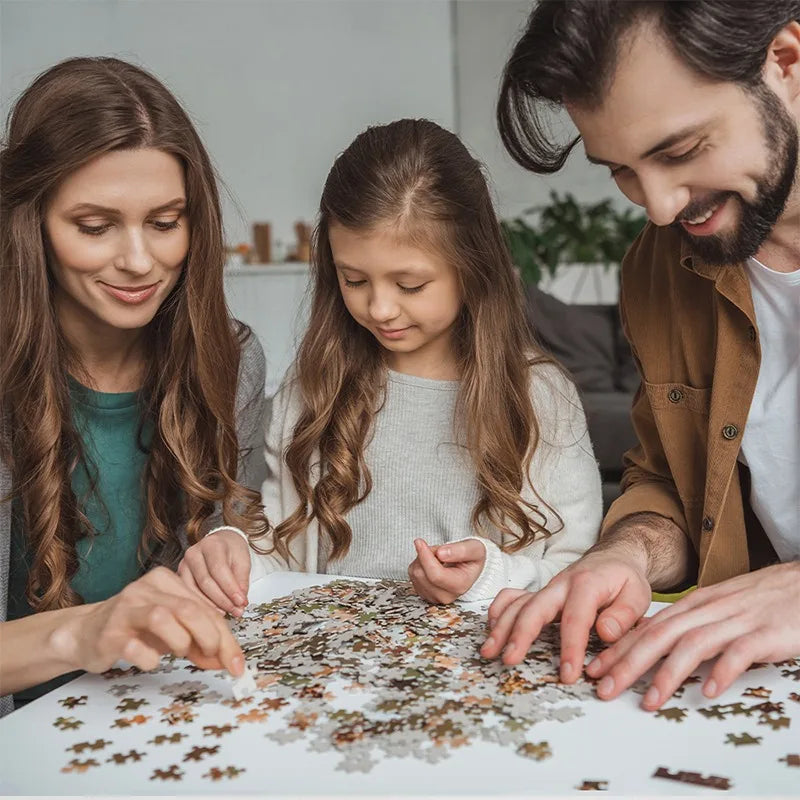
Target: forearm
{"points": [[658, 545], [36, 648]]}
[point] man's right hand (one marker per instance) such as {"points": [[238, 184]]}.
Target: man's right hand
{"points": [[607, 588]]}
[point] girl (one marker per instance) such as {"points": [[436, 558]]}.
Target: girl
{"points": [[130, 402], [417, 424]]}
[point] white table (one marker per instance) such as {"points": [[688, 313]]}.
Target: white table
{"points": [[614, 742]]}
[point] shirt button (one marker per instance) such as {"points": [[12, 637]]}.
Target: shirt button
{"points": [[675, 395], [751, 333], [708, 524], [730, 432]]}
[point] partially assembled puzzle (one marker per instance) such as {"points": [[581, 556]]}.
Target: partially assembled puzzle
{"points": [[368, 671]]}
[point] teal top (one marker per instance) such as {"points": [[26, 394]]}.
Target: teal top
{"points": [[109, 486]]}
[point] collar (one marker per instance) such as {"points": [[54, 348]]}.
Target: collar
{"points": [[695, 263]]}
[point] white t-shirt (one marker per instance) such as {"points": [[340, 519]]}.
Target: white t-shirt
{"points": [[771, 440]]}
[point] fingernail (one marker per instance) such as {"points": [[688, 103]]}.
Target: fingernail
{"points": [[710, 689], [567, 671], [489, 642], [444, 552], [240, 601], [237, 663], [651, 698], [613, 627], [606, 686], [592, 668]]}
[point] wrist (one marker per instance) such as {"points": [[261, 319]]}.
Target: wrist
{"points": [[654, 545], [64, 641]]}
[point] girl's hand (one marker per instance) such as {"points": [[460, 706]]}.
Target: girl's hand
{"points": [[218, 567], [442, 574], [154, 615]]}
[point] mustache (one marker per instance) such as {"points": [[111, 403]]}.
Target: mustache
{"points": [[697, 208]]}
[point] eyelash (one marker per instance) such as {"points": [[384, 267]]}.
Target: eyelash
{"points": [[689, 154], [404, 289], [679, 159], [99, 230]]}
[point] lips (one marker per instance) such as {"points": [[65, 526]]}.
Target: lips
{"points": [[131, 295], [706, 222], [394, 333]]}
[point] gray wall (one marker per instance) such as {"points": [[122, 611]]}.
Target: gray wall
{"points": [[277, 87], [485, 32]]}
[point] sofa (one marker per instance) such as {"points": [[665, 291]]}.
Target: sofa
{"points": [[588, 341]]}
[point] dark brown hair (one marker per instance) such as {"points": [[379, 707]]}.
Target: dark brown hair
{"points": [[570, 48], [73, 112], [420, 180]]}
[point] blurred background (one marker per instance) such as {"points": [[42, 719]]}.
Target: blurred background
{"points": [[278, 87]]}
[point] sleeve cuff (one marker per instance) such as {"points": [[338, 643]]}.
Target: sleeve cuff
{"points": [[493, 575]]}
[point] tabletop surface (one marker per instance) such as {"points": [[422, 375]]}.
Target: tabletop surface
{"points": [[311, 727]]}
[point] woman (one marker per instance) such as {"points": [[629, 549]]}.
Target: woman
{"points": [[131, 402]]}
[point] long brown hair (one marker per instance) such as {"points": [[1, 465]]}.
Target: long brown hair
{"points": [[73, 112], [420, 179]]}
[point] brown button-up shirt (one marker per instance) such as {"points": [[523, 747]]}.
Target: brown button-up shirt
{"points": [[693, 332]]}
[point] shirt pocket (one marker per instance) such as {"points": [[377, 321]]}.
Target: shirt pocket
{"points": [[681, 415]]}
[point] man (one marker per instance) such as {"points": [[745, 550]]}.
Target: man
{"points": [[694, 108]]}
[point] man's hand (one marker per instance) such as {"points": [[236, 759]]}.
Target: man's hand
{"points": [[607, 588], [442, 574], [218, 567], [754, 617]]}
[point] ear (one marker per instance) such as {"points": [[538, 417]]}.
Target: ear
{"points": [[782, 66]]}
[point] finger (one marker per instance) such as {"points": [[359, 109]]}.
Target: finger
{"points": [[195, 560], [181, 584], [220, 571], [577, 618], [165, 633], [503, 600], [468, 550], [623, 612], [424, 588], [435, 573], [736, 658], [240, 564], [540, 610], [140, 655], [694, 647]]}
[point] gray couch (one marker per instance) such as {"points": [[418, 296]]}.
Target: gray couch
{"points": [[588, 341]]}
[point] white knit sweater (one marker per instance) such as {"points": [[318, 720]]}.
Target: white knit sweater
{"points": [[424, 486]]}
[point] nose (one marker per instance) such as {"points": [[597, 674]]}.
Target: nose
{"points": [[135, 256], [382, 305], [662, 197]]}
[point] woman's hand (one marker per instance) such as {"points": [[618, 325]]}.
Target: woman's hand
{"points": [[218, 567], [155, 615], [443, 573]]}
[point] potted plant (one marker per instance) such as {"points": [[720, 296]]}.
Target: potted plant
{"points": [[544, 238]]}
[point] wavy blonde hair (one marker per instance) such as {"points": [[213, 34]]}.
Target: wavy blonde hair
{"points": [[420, 179], [76, 111]]}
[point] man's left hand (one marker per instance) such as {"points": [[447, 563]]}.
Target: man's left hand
{"points": [[750, 618]]}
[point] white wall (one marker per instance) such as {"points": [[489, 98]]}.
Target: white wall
{"points": [[485, 32], [277, 87]]}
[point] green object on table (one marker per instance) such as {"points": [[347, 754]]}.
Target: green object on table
{"points": [[671, 597]]}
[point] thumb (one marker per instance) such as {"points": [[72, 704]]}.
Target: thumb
{"points": [[623, 613], [457, 552]]}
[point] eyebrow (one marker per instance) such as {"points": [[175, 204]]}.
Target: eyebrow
{"points": [[664, 144], [172, 205], [411, 271]]}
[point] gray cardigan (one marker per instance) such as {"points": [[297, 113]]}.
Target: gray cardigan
{"points": [[250, 406]]}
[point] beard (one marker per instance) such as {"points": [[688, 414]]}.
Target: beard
{"points": [[759, 217]]}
